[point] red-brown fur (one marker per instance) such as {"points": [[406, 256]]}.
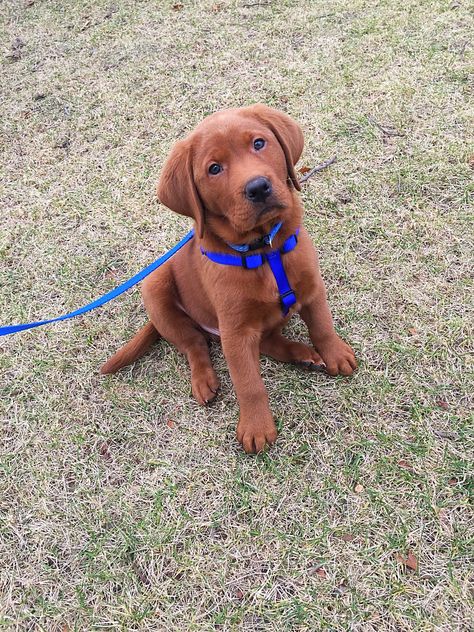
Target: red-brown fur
{"points": [[190, 290]]}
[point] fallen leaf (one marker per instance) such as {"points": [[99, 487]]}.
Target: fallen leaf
{"points": [[409, 560], [412, 331], [347, 537], [453, 482], [178, 6], [359, 488], [405, 465], [104, 451], [442, 404], [320, 572], [239, 594], [171, 424], [304, 169]]}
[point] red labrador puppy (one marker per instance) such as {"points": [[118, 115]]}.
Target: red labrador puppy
{"points": [[249, 267]]}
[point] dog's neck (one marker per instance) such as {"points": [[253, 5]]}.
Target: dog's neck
{"points": [[290, 223]]}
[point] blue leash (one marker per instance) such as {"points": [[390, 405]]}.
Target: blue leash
{"points": [[11, 329]]}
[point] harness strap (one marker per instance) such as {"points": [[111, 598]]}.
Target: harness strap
{"points": [[251, 262], [287, 295], [290, 243]]}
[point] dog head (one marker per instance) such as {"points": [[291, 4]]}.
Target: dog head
{"points": [[235, 172]]}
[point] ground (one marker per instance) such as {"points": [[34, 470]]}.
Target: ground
{"points": [[124, 505]]}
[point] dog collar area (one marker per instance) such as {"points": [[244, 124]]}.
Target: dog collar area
{"points": [[274, 260], [261, 242]]}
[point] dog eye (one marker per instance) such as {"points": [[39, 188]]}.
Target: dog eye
{"points": [[258, 144], [215, 169]]}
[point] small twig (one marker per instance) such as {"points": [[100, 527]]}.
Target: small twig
{"points": [[323, 165], [386, 130], [256, 4], [445, 434]]}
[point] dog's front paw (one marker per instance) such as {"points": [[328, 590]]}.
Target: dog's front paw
{"points": [[338, 356], [254, 433]]}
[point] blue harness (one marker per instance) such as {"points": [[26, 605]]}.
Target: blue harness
{"points": [[251, 262]]}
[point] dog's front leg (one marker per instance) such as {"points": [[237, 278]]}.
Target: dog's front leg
{"points": [[338, 356], [256, 427]]}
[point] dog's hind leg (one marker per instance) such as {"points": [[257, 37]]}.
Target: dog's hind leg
{"points": [[179, 329], [282, 349]]}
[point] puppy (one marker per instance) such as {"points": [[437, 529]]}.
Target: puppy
{"points": [[249, 267]]}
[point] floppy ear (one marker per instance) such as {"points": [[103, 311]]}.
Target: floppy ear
{"points": [[176, 188], [288, 134]]}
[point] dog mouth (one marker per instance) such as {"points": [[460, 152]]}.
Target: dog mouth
{"points": [[269, 212], [270, 206]]}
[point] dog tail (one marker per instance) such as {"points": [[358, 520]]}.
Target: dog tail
{"points": [[133, 350]]}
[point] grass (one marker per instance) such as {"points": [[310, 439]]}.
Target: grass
{"points": [[123, 505]]}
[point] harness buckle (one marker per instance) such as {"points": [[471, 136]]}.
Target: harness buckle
{"points": [[287, 299]]}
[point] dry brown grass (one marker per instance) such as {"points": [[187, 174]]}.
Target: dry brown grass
{"points": [[111, 517]]}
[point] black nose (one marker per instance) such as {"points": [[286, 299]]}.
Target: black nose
{"points": [[258, 189]]}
